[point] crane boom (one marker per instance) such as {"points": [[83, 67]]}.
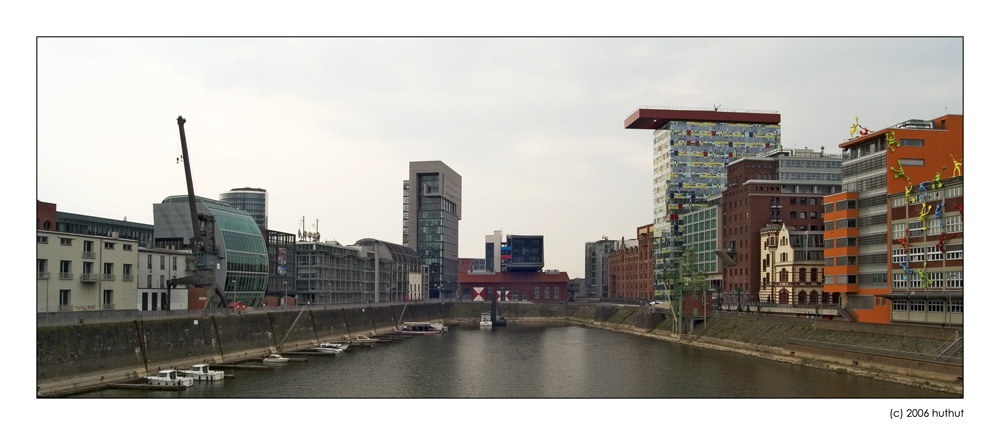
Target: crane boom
{"points": [[203, 247]]}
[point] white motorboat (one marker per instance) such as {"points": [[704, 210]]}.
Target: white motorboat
{"points": [[484, 320], [201, 372], [423, 328], [330, 348], [169, 378], [364, 339], [275, 358]]}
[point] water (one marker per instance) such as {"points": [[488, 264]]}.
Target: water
{"points": [[536, 361]]}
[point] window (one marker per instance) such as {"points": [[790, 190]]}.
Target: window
{"points": [[43, 239], [911, 162], [65, 242], [847, 241], [934, 227], [546, 292], [828, 208], [174, 261], [127, 269], [955, 307], [917, 255], [898, 280], [916, 228], [109, 245], [898, 231], [163, 282], [108, 300], [847, 279], [897, 202], [917, 306], [911, 142], [791, 201], [792, 215], [899, 305], [847, 223], [847, 260], [936, 279], [898, 256], [162, 263], [954, 251], [953, 192], [126, 246], [933, 253], [64, 298], [802, 274], [65, 266], [537, 294], [88, 246], [953, 224], [149, 281], [955, 280], [149, 261], [802, 215]]}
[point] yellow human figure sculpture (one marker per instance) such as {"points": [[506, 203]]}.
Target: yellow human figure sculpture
{"points": [[924, 213], [910, 200], [958, 166]]}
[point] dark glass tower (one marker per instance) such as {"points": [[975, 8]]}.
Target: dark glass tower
{"points": [[432, 207], [249, 199]]}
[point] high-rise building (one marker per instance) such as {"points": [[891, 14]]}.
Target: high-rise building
{"points": [[911, 158], [595, 266], [249, 199], [432, 207], [691, 148]]}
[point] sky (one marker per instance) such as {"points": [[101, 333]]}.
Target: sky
{"points": [[535, 126]]}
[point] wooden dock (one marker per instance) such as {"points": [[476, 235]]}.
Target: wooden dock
{"points": [[143, 386]]}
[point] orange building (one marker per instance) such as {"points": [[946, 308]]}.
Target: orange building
{"points": [[909, 158], [630, 268]]}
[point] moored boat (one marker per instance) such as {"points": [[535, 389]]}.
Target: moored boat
{"points": [[169, 378], [423, 328], [484, 320], [330, 348], [201, 372], [275, 358]]}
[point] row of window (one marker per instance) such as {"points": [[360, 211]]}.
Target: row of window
{"points": [[952, 280], [88, 245], [929, 306]]}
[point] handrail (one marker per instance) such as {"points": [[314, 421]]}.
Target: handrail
{"points": [[703, 109]]}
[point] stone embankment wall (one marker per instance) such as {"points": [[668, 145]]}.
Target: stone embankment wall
{"points": [[79, 356]]}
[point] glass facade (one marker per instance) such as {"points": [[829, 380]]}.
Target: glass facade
{"points": [[253, 201], [243, 251], [432, 207]]}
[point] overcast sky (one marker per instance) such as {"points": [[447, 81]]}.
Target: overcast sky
{"points": [[535, 127]]}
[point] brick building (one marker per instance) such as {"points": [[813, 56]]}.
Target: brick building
{"points": [[630, 268]]}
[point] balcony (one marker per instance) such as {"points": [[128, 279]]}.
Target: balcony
{"points": [[128, 278], [65, 275], [89, 254], [108, 277], [43, 275], [88, 277]]}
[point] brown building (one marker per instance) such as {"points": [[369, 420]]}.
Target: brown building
{"points": [[548, 286], [45, 216], [782, 186], [630, 268]]}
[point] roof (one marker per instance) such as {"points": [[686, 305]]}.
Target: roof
{"points": [[651, 119], [513, 277]]}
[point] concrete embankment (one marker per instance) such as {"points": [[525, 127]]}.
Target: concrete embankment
{"points": [[74, 357]]}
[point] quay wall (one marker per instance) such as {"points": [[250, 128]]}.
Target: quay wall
{"points": [[77, 356]]}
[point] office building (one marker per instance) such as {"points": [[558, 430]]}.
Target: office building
{"points": [[78, 272], [250, 200], [595, 266], [432, 207], [911, 158], [780, 186], [630, 268], [691, 148], [331, 273], [242, 261]]}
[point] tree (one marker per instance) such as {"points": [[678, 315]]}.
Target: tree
{"points": [[682, 276]]}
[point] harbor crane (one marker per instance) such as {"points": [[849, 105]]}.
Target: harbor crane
{"points": [[203, 245]]}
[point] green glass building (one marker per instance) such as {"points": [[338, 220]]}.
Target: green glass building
{"points": [[243, 268]]}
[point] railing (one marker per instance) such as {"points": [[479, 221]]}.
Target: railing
{"points": [[108, 277], [65, 275], [128, 278], [876, 351], [43, 275], [703, 109], [89, 254], [88, 277]]}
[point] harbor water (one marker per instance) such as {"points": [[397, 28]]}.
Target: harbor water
{"points": [[535, 361]]}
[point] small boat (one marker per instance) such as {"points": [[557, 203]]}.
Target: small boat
{"points": [[275, 358], [201, 372], [364, 339], [169, 378], [484, 320], [329, 348], [423, 328]]}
